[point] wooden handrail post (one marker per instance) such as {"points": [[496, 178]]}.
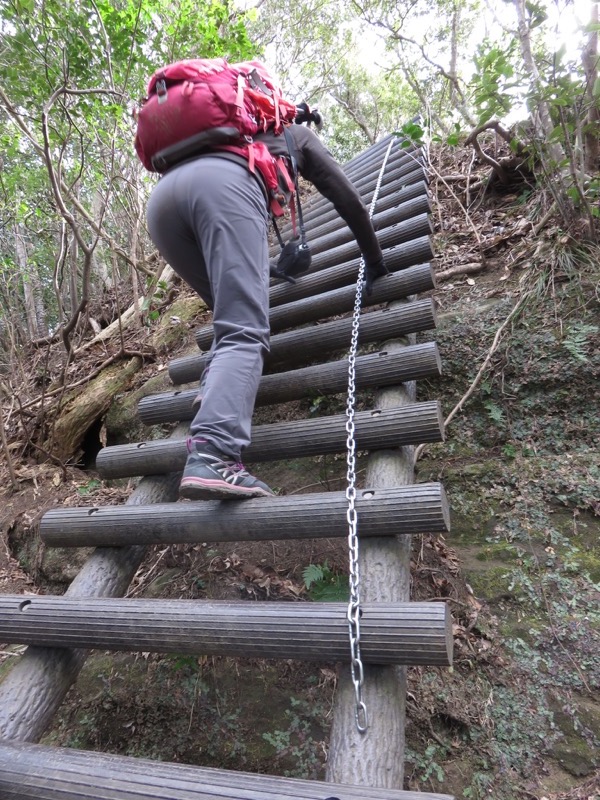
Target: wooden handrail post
{"points": [[376, 758], [34, 689]]}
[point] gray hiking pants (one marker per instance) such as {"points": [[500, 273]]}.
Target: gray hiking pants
{"points": [[208, 218]]}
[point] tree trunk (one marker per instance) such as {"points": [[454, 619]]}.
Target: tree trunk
{"points": [[376, 758], [85, 406], [591, 146], [99, 266], [73, 278], [454, 52], [541, 111], [32, 290]]}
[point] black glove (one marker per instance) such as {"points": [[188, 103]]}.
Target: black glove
{"points": [[375, 270], [276, 273]]}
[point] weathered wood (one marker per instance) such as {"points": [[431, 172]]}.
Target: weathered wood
{"points": [[410, 257], [400, 172], [398, 233], [374, 430], [367, 172], [337, 232], [389, 195], [82, 407], [409, 633], [400, 175], [49, 773], [395, 234], [371, 159], [375, 369], [382, 512], [317, 342], [338, 301], [31, 693], [384, 568], [302, 307]]}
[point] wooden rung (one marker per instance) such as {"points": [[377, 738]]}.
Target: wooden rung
{"points": [[30, 771], [400, 172], [389, 196], [418, 508], [383, 429], [318, 341], [376, 369], [325, 294], [410, 260], [395, 234], [338, 233], [390, 633]]}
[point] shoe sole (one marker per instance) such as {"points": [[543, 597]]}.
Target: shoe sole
{"points": [[205, 489]]}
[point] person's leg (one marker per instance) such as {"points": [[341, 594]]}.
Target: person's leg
{"points": [[174, 236], [212, 214], [232, 229], [203, 378]]}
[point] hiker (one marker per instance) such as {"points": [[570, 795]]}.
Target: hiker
{"points": [[208, 216]]}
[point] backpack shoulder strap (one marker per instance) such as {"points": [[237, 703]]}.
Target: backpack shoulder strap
{"points": [[291, 146]]}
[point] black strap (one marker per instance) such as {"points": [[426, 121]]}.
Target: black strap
{"points": [[277, 232], [291, 145]]}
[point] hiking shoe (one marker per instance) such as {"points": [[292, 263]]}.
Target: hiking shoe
{"points": [[213, 477]]}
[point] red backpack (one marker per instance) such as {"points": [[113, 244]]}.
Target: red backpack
{"points": [[204, 104]]}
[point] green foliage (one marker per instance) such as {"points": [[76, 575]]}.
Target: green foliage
{"points": [[82, 65], [323, 585], [411, 133], [297, 739], [578, 340], [89, 487], [494, 81]]}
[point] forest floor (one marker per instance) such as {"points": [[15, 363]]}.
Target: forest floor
{"points": [[518, 715]]}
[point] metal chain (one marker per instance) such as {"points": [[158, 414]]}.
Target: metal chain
{"points": [[353, 615]]}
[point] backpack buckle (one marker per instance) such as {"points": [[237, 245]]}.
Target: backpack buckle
{"points": [[161, 90]]}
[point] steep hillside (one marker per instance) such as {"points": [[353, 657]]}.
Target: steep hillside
{"points": [[518, 715]]}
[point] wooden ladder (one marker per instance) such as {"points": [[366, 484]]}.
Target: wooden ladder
{"points": [[395, 633]]}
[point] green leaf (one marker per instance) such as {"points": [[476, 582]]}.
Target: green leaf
{"points": [[312, 574]]}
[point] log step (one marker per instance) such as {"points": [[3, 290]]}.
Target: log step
{"points": [[389, 196], [383, 429], [401, 172], [390, 633], [388, 237], [418, 508], [318, 341], [399, 186], [337, 301], [30, 771], [375, 369], [404, 245], [412, 258], [337, 232]]}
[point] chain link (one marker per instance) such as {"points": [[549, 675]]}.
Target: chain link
{"points": [[356, 665]]}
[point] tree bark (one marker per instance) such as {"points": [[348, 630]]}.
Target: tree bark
{"points": [[86, 406], [65, 772], [393, 633], [32, 290], [376, 758], [591, 147]]}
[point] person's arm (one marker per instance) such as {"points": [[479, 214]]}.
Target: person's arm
{"points": [[317, 165]]}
